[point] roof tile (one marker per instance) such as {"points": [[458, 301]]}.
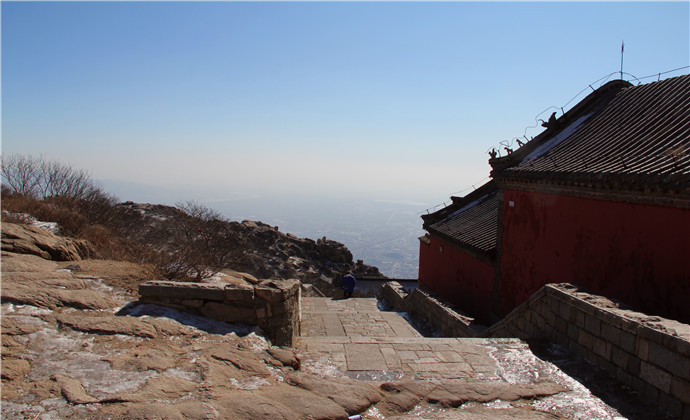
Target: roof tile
{"points": [[642, 130]]}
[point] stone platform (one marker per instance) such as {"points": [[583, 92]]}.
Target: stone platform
{"points": [[363, 341], [355, 338]]}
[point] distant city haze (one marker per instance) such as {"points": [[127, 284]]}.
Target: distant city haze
{"points": [[381, 233]]}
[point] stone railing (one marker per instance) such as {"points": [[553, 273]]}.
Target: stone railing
{"points": [[272, 305], [648, 353], [437, 313]]}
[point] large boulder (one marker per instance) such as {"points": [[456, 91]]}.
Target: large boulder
{"points": [[334, 251], [27, 239]]}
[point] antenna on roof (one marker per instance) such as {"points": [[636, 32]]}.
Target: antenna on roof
{"points": [[622, 51]]}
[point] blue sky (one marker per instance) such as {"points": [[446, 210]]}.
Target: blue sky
{"points": [[381, 99]]}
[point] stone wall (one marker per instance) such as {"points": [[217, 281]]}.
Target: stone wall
{"points": [[439, 314], [272, 305], [648, 353]]}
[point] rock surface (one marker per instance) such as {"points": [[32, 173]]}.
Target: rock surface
{"points": [[28, 239], [267, 252], [75, 344]]}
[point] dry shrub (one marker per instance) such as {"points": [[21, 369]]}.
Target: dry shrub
{"points": [[71, 222]]}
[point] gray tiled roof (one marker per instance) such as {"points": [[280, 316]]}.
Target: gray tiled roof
{"points": [[642, 135], [471, 221]]}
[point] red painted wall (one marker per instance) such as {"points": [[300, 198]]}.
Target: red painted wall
{"points": [[636, 253], [457, 277]]}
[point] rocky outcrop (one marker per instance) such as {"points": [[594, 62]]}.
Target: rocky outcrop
{"points": [[267, 253], [28, 239], [59, 289]]}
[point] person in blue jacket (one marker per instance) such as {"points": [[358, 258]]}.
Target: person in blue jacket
{"points": [[348, 285]]}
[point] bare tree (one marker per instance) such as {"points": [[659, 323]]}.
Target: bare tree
{"points": [[41, 179], [22, 175], [59, 185], [206, 243]]}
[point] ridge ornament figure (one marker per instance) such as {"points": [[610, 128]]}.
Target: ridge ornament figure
{"points": [[348, 285]]}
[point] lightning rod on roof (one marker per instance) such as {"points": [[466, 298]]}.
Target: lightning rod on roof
{"points": [[622, 51]]}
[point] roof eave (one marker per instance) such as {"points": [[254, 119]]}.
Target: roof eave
{"points": [[593, 102], [458, 203], [484, 255]]}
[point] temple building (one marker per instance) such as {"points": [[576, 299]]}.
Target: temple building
{"points": [[601, 199]]}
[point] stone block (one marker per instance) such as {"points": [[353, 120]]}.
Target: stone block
{"points": [[676, 337], [620, 358], [610, 333], [519, 323], [293, 284], [579, 318], [260, 313], [682, 346], [282, 336], [668, 360], [561, 325], [573, 332], [553, 304], [237, 292], [656, 377], [613, 317], [680, 389], [564, 311], [538, 321], [280, 309], [651, 334], [593, 325], [602, 348], [629, 325], [642, 348], [634, 366], [627, 341], [181, 290], [192, 303], [586, 340], [268, 294], [228, 313]]}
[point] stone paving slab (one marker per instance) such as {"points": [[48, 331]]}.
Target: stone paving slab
{"points": [[358, 337], [351, 317], [421, 358]]}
